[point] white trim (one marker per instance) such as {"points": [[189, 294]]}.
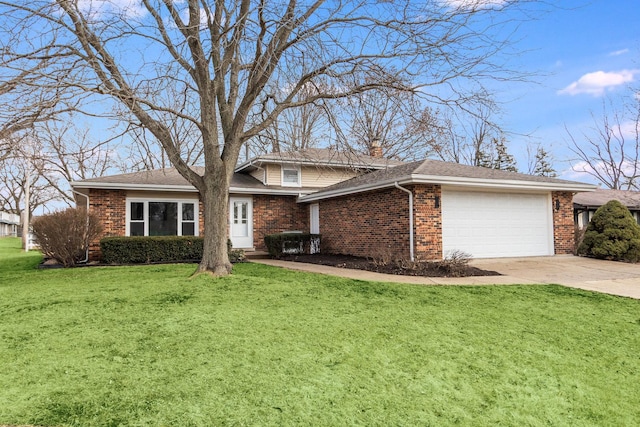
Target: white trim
{"points": [[249, 237], [186, 188], [145, 214], [551, 229], [290, 167], [314, 162], [314, 218], [129, 186], [454, 182]]}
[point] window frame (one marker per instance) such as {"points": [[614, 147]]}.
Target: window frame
{"points": [[295, 168], [145, 213]]}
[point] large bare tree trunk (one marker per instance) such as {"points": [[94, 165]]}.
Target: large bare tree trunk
{"points": [[215, 202]]}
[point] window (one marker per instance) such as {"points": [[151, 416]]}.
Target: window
{"points": [[162, 218], [290, 176]]}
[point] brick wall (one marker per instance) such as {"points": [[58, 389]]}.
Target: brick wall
{"points": [[374, 223], [563, 226], [110, 207], [427, 222], [275, 214]]}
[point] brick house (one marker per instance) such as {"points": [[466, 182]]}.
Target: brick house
{"points": [[263, 197], [361, 205]]}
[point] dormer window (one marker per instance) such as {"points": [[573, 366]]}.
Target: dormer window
{"points": [[290, 176]]}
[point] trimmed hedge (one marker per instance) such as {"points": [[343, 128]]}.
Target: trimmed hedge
{"points": [[290, 243], [147, 249]]}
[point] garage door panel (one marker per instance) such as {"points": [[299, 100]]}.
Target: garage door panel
{"points": [[496, 224]]}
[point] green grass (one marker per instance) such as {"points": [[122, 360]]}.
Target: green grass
{"points": [[147, 346]]}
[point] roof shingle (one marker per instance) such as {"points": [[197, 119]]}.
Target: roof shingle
{"points": [[630, 199], [436, 168]]}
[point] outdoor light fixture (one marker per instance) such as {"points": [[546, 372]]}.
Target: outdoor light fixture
{"points": [[436, 200], [557, 205]]}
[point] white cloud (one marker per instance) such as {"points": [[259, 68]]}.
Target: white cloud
{"points": [[629, 130], [619, 52], [473, 4], [598, 82], [95, 8]]}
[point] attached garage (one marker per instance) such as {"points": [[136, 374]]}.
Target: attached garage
{"points": [[425, 210], [497, 224]]}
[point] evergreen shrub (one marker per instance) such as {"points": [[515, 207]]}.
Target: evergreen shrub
{"points": [[612, 234]]}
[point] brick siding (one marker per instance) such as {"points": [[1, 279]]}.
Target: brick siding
{"points": [[110, 207], [275, 214], [427, 222], [376, 224], [271, 214], [563, 225], [367, 224]]}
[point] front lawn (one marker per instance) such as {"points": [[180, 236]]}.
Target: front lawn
{"points": [[147, 346]]}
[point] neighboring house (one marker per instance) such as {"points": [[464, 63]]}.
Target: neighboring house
{"points": [[586, 204], [9, 224], [263, 196], [361, 205]]}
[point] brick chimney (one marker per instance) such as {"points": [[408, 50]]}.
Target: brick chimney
{"points": [[375, 150]]}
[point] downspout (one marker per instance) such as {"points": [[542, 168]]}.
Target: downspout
{"points": [[411, 254], [86, 257]]}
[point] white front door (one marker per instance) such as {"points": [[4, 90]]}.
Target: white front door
{"points": [[314, 213], [241, 222], [314, 226]]}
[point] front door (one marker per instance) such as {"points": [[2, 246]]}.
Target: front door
{"points": [[241, 222], [314, 227]]}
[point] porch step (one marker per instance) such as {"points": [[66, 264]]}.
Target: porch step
{"points": [[257, 254]]}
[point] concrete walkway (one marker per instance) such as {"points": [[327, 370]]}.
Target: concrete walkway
{"points": [[609, 277]]}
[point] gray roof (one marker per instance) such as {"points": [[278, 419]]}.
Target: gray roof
{"points": [[166, 176], [439, 172], [324, 157], [170, 177], [595, 199]]}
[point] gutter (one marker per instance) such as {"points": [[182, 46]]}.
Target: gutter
{"points": [[411, 254], [293, 191], [517, 185], [86, 257]]}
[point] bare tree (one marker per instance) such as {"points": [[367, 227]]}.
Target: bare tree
{"points": [[296, 128], [392, 119], [242, 63], [16, 174], [68, 153], [31, 89], [51, 155], [611, 151], [474, 138]]}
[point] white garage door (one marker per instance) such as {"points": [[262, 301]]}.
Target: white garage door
{"points": [[492, 225]]}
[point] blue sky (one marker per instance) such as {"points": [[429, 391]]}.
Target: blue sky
{"points": [[584, 52]]}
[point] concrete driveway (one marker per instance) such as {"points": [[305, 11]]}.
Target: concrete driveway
{"points": [[616, 278], [609, 277]]}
